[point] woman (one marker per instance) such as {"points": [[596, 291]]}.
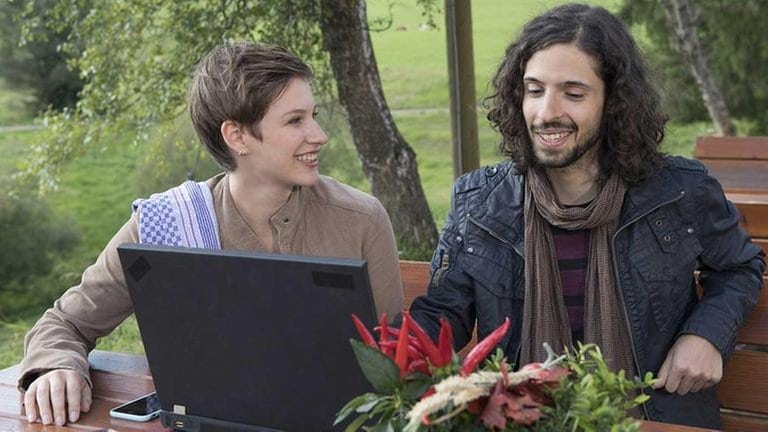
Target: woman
{"points": [[252, 108]]}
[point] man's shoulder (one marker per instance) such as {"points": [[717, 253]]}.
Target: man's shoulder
{"points": [[682, 164], [488, 176]]}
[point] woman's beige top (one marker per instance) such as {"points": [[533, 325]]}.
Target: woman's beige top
{"points": [[329, 219]]}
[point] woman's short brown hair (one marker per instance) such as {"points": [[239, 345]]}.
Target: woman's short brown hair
{"points": [[238, 82]]}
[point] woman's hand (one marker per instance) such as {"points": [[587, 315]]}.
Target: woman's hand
{"points": [[51, 394]]}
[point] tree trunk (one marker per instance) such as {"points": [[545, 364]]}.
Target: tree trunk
{"points": [[388, 161], [680, 22]]}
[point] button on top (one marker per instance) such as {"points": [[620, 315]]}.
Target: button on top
{"points": [[458, 239], [690, 230], [470, 249], [659, 222]]}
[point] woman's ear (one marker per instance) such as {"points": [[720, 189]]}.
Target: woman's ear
{"points": [[234, 136]]}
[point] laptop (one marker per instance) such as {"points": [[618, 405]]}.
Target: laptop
{"points": [[248, 341]]}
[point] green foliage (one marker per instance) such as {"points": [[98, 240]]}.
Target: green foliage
{"points": [[732, 36], [36, 65], [32, 239], [144, 81], [172, 154], [378, 369], [593, 399]]}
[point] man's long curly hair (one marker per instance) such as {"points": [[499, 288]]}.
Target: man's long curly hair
{"points": [[632, 123]]}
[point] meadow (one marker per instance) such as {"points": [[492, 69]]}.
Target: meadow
{"points": [[96, 189]]}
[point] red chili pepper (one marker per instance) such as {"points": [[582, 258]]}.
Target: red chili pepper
{"points": [[365, 335], [413, 353], [419, 366], [481, 350], [401, 354], [412, 341], [384, 335], [445, 345], [429, 347]]}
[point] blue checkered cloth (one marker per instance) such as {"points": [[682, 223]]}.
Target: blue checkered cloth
{"points": [[181, 216]]}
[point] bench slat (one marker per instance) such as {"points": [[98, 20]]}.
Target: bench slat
{"points": [[742, 176], [755, 329], [415, 277], [753, 213], [746, 382], [744, 423], [763, 244], [710, 147]]}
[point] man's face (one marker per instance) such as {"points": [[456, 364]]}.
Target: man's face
{"points": [[562, 104]]}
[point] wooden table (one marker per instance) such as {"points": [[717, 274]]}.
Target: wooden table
{"points": [[118, 378]]}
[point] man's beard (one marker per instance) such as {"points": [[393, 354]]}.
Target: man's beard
{"points": [[566, 159]]}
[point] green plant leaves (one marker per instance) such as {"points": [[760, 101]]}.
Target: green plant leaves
{"points": [[379, 369]]}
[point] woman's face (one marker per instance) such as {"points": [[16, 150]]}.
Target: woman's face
{"points": [[287, 153]]}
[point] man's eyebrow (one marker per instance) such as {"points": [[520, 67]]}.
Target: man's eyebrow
{"points": [[581, 84], [570, 83]]}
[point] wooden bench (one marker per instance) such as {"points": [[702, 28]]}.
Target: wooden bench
{"points": [[743, 391], [739, 163]]}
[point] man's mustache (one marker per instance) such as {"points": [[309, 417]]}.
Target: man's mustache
{"points": [[554, 125]]}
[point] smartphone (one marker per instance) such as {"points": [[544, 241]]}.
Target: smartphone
{"points": [[142, 409]]}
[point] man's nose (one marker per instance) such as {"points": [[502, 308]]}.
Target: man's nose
{"points": [[551, 107]]}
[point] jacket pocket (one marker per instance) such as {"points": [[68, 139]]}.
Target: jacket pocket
{"points": [[666, 259], [501, 276]]}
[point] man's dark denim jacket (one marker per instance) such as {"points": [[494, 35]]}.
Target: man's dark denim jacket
{"points": [[674, 222]]}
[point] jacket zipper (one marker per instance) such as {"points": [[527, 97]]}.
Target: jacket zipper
{"points": [[508, 243], [493, 234], [621, 293]]}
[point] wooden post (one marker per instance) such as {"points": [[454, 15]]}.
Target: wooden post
{"points": [[461, 81]]}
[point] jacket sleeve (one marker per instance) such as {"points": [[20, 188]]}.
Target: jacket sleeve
{"points": [[731, 268], [67, 332], [450, 293], [380, 250]]}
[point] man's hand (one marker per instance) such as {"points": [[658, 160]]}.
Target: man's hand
{"points": [[51, 394], [692, 364]]}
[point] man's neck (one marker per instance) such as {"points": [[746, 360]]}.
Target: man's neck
{"points": [[577, 183]]}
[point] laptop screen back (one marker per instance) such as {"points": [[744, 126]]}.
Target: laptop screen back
{"points": [[250, 338]]}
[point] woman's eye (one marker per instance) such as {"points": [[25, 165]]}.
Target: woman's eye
{"points": [[295, 121]]}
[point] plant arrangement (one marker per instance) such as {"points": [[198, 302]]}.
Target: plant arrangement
{"points": [[422, 386]]}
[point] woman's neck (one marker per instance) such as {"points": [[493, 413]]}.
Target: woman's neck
{"points": [[256, 201]]}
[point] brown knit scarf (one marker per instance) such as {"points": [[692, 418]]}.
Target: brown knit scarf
{"points": [[545, 318]]}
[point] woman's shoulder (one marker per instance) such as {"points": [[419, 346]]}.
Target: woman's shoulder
{"points": [[331, 193]]}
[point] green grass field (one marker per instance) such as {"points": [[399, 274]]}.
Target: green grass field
{"points": [[96, 189]]}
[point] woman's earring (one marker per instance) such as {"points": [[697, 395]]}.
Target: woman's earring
{"points": [[240, 152]]}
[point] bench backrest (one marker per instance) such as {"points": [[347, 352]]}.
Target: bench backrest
{"points": [[743, 391], [739, 163]]}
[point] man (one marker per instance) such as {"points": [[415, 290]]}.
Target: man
{"points": [[590, 233]]}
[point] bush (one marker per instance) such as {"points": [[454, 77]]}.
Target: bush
{"points": [[33, 241]]}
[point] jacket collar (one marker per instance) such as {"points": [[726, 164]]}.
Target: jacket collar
{"points": [[658, 189], [500, 206]]}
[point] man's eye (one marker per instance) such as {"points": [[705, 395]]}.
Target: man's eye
{"points": [[575, 96], [533, 91]]}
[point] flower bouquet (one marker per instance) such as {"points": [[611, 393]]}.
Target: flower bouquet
{"points": [[423, 386]]}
